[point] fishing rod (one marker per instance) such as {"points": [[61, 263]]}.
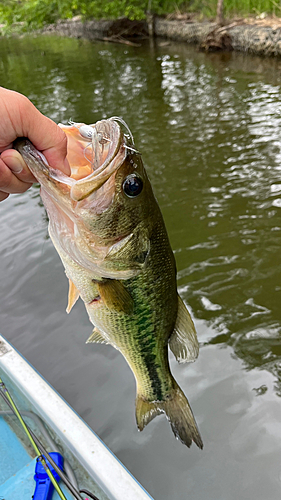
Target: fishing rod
{"points": [[39, 448], [40, 456], [52, 444]]}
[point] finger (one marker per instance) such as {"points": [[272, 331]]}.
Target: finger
{"points": [[25, 120], [9, 146], [9, 183], [55, 153], [3, 196], [47, 137], [17, 165]]}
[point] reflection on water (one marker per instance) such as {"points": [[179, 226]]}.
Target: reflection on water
{"points": [[209, 128]]}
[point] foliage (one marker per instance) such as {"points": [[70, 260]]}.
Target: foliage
{"points": [[35, 13], [236, 7]]}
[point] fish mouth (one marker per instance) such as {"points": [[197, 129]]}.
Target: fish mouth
{"points": [[108, 151], [75, 203], [95, 152]]}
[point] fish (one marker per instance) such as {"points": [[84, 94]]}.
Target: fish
{"points": [[108, 230]]}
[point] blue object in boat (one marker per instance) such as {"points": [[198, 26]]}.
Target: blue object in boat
{"points": [[44, 488]]}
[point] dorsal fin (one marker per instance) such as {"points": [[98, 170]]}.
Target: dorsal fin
{"points": [[73, 296], [183, 341]]}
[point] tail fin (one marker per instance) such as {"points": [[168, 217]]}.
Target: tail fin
{"points": [[178, 412]]}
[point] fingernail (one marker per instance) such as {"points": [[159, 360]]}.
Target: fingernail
{"points": [[15, 163], [16, 166]]}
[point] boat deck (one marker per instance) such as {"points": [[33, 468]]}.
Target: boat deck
{"points": [[17, 467], [88, 462]]}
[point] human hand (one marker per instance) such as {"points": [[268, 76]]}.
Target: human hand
{"points": [[20, 118]]}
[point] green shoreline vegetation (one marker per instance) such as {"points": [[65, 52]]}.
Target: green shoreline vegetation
{"points": [[34, 14]]}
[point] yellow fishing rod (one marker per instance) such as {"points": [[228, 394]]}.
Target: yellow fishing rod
{"points": [[40, 456]]}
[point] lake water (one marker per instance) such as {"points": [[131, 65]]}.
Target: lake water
{"points": [[209, 129]]}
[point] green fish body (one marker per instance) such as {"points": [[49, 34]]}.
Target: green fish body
{"points": [[107, 227]]}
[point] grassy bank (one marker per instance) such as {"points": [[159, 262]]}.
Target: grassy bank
{"points": [[32, 14]]}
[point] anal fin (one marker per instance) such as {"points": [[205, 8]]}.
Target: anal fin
{"points": [[183, 341], [96, 337]]}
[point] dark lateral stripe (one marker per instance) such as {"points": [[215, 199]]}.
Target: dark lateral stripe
{"points": [[147, 349]]}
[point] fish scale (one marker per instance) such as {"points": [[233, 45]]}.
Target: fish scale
{"points": [[107, 227]]}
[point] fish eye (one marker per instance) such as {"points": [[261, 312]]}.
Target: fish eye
{"points": [[132, 186]]}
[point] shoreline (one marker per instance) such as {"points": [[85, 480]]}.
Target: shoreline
{"points": [[259, 38]]}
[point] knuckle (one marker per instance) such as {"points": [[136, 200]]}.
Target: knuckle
{"points": [[24, 102]]}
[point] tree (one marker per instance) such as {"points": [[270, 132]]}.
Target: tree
{"points": [[219, 19]]}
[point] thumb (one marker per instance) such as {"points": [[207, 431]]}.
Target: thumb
{"points": [[52, 142], [45, 134]]}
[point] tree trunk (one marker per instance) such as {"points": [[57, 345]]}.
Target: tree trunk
{"points": [[219, 19]]}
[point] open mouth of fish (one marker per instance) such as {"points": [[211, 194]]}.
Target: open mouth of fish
{"points": [[95, 153]]}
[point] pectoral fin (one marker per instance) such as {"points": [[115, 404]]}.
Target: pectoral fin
{"points": [[115, 296], [73, 296], [96, 337], [183, 341]]}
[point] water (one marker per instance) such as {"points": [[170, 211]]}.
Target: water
{"points": [[209, 128]]}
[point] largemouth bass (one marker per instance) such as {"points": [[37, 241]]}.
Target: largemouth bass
{"points": [[107, 227]]}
